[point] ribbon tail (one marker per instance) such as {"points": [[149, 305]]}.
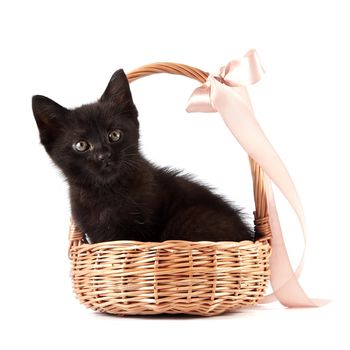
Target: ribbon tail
{"points": [[284, 281], [234, 106]]}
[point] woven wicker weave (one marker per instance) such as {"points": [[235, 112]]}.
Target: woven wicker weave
{"points": [[200, 278]]}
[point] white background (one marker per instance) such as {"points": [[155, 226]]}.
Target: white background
{"points": [[68, 50]]}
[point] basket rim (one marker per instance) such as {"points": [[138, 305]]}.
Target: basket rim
{"points": [[176, 245], [173, 242]]}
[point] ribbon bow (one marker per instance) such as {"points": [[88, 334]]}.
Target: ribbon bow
{"points": [[226, 93]]}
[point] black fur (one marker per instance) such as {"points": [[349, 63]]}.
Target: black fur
{"points": [[115, 193]]}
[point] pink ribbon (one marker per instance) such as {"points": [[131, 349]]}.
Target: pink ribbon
{"points": [[226, 93]]}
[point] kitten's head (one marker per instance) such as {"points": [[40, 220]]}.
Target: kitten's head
{"points": [[95, 143]]}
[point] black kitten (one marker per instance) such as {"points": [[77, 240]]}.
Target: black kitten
{"points": [[115, 193]]}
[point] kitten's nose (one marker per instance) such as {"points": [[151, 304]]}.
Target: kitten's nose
{"points": [[103, 156]]}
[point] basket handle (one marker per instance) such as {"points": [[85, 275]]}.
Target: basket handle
{"points": [[261, 222]]}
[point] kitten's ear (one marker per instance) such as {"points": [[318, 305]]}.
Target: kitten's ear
{"points": [[118, 89], [48, 116]]}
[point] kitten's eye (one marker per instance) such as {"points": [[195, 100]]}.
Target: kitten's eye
{"points": [[115, 136], [81, 146]]}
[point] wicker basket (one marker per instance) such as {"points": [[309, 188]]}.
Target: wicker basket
{"points": [[199, 278]]}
